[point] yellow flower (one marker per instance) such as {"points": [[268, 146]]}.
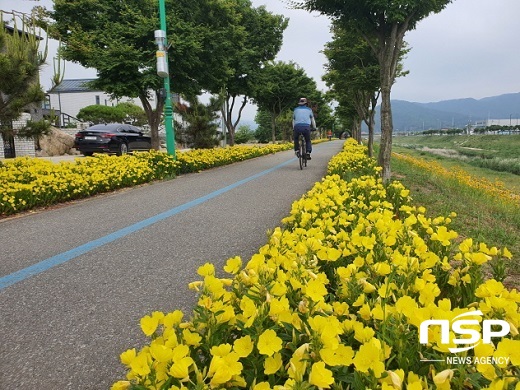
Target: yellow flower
{"points": [[191, 338], [127, 356], [316, 290], [181, 368], [243, 346], [509, 349], [262, 386], [369, 357], [269, 343], [161, 353], [321, 376], [149, 325], [173, 318], [442, 379], [221, 350], [272, 364], [207, 269], [120, 385], [233, 265], [140, 365], [223, 368]]}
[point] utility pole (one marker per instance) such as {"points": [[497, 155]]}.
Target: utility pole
{"points": [[163, 71]]}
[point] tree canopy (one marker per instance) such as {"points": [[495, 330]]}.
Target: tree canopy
{"points": [[263, 40], [20, 62], [279, 88], [117, 39], [383, 24]]}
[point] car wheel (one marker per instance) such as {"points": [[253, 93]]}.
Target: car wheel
{"points": [[123, 149], [87, 154]]}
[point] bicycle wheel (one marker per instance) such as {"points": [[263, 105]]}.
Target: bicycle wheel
{"points": [[301, 152]]}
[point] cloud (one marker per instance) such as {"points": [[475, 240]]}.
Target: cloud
{"points": [[470, 49]]}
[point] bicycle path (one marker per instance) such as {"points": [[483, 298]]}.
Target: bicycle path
{"points": [[75, 280]]}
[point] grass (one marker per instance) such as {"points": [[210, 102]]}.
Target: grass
{"points": [[481, 216], [495, 152]]}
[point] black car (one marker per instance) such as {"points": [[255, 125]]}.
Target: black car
{"points": [[111, 138]]}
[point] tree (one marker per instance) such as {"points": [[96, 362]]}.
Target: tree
{"points": [[383, 24], [353, 77], [131, 113], [279, 88], [263, 131], [20, 62], [199, 125], [117, 39], [244, 134], [262, 41]]}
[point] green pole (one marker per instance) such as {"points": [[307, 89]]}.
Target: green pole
{"points": [[168, 110]]}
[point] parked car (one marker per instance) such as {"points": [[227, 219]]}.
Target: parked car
{"points": [[111, 138]]}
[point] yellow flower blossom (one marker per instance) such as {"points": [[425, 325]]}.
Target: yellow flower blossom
{"points": [[369, 357], [233, 265], [243, 346], [127, 356], [272, 364], [269, 343], [149, 325], [442, 379], [321, 376]]}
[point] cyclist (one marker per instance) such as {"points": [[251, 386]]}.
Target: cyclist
{"points": [[303, 122]]}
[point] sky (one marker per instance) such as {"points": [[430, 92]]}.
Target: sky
{"points": [[468, 50]]}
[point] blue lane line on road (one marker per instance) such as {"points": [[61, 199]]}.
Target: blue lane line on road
{"points": [[61, 258]]}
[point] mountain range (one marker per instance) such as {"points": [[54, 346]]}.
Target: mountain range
{"points": [[456, 113]]}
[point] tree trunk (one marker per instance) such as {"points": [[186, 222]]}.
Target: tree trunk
{"points": [[154, 118], [227, 115], [273, 127], [385, 151]]}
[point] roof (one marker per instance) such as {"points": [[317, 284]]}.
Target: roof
{"points": [[11, 31], [76, 85]]}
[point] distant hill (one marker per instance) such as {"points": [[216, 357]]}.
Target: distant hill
{"points": [[457, 113]]}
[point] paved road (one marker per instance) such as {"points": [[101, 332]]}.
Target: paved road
{"points": [[75, 280]]}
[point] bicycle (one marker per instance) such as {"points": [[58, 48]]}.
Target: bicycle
{"points": [[302, 151]]}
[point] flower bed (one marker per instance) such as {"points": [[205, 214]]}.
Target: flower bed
{"points": [[27, 183], [336, 299]]}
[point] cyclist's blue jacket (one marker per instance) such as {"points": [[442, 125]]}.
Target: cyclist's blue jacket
{"points": [[303, 115]]}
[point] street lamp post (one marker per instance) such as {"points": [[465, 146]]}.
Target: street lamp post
{"points": [[163, 71]]}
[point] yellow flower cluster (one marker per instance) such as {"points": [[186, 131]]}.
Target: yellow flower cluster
{"points": [[26, 183], [336, 299], [199, 159], [495, 188]]}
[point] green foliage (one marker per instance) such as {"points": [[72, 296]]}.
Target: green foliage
{"points": [[117, 39], [132, 113], [263, 36], [123, 112], [499, 153], [279, 88], [263, 131], [35, 129], [199, 125], [20, 62], [243, 134], [99, 114]]}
